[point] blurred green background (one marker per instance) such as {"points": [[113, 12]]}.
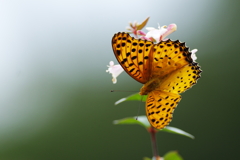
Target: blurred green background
{"points": [[55, 98]]}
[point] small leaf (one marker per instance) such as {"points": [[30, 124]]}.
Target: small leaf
{"points": [[172, 155], [177, 131], [142, 120], [134, 97], [143, 24]]}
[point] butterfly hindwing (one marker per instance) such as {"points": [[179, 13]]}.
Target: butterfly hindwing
{"points": [[160, 106], [181, 79], [162, 101], [134, 55]]}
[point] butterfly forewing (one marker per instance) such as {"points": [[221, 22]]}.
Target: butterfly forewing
{"points": [[160, 106], [169, 56], [133, 55]]}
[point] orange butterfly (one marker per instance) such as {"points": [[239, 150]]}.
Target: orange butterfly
{"points": [[166, 69]]}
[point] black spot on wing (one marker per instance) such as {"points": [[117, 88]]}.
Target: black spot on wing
{"points": [[134, 57]]}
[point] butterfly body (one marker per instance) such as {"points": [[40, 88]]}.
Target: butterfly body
{"points": [[166, 69], [150, 86]]}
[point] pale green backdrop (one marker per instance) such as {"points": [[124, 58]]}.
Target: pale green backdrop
{"points": [[54, 98]]}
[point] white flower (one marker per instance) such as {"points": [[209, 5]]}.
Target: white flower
{"points": [[160, 33], [156, 33], [170, 29], [193, 56], [115, 70]]}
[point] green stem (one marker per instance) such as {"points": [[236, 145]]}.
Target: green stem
{"points": [[153, 132]]}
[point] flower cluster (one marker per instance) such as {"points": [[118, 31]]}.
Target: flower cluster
{"points": [[153, 34]]}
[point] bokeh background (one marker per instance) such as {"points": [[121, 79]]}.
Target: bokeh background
{"points": [[55, 99]]}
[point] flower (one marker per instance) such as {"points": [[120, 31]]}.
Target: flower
{"points": [[159, 34], [156, 33], [170, 29], [193, 55], [135, 26], [115, 70]]}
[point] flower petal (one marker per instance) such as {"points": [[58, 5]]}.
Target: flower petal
{"points": [[150, 28], [139, 32], [115, 70], [160, 33], [193, 56], [156, 34], [170, 29]]}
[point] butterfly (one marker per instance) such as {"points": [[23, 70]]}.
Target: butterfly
{"points": [[166, 69]]}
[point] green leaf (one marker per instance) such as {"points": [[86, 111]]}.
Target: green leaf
{"points": [[177, 131], [172, 155], [143, 24], [142, 120], [134, 97]]}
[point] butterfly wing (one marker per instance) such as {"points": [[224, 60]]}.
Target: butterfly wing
{"points": [[161, 102], [169, 56], [134, 55], [181, 79], [143, 60], [160, 106], [169, 61]]}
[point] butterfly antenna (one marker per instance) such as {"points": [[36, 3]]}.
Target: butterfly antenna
{"points": [[121, 91], [139, 108]]}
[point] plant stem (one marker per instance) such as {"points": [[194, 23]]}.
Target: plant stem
{"points": [[153, 132]]}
